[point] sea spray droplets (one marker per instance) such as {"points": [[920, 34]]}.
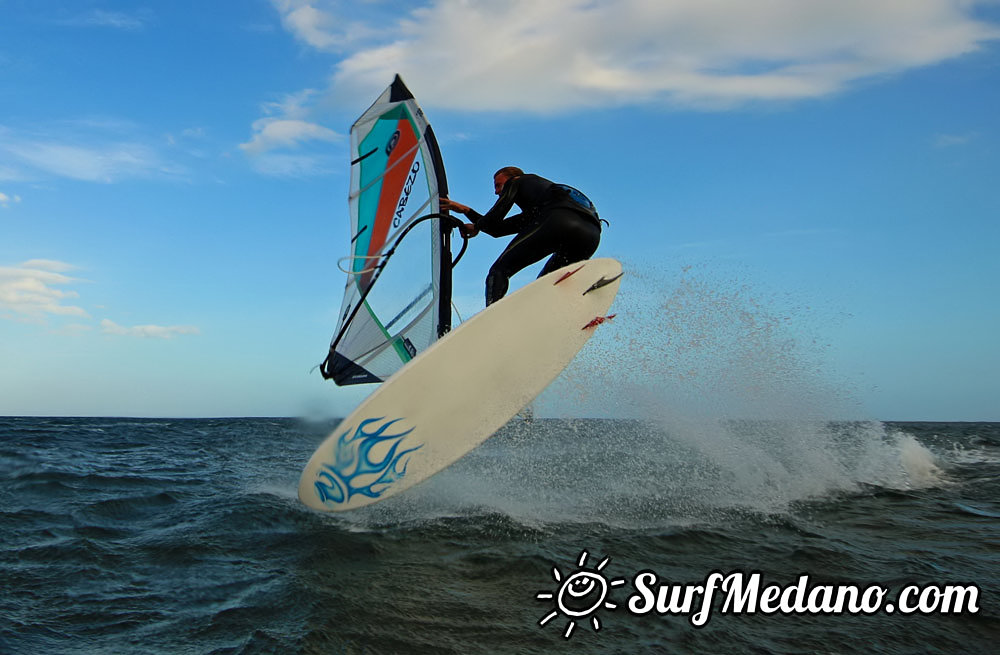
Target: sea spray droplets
{"points": [[741, 410], [712, 345]]}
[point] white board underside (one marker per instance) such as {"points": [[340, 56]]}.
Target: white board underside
{"points": [[459, 391]]}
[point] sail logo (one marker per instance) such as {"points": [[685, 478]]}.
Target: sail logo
{"points": [[397, 218], [393, 140]]}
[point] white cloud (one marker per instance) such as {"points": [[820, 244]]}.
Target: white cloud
{"points": [[952, 140], [114, 19], [147, 331], [308, 23], [524, 55], [107, 163], [92, 150], [35, 290], [324, 24], [7, 200], [275, 133], [81, 150], [31, 291], [286, 127], [52, 265]]}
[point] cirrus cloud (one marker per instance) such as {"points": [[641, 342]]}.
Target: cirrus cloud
{"points": [[90, 164], [89, 151], [147, 331], [111, 19]]}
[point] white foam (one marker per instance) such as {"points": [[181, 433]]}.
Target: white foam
{"points": [[918, 462]]}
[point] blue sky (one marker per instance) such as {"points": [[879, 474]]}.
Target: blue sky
{"points": [[173, 180]]}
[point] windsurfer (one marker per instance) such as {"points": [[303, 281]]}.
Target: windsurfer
{"points": [[555, 220]]}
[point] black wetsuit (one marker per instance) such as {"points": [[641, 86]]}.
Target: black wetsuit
{"points": [[555, 220]]}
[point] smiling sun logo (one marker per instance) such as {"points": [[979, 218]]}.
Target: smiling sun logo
{"points": [[580, 594]]}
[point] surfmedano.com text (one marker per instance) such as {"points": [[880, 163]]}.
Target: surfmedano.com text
{"points": [[740, 593]]}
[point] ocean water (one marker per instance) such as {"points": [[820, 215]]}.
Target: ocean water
{"points": [[185, 536]]}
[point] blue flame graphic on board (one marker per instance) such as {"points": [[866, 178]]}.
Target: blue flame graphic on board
{"points": [[354, 471]]}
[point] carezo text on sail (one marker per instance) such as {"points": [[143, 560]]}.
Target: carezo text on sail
{"points": [[398, 217]]}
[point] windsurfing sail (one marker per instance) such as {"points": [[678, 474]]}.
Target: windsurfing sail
{"points": [[397, 300]]}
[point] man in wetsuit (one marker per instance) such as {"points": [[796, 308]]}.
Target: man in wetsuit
{"points": [[555, 220]]}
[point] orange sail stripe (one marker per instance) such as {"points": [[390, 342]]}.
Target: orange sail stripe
{"points": [[397, 171]]}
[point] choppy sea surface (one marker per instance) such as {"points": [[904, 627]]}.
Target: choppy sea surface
{"points": [[186, 536]]}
